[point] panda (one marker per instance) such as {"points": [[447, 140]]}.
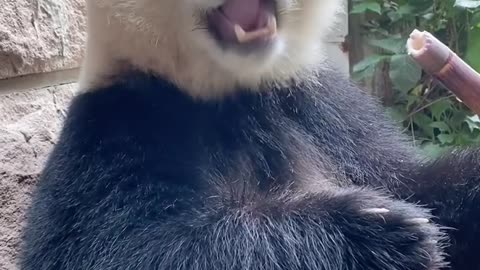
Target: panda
{"points": [[214, 134]]}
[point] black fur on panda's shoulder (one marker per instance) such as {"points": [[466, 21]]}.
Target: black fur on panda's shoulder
{"points": [[347, 125], [145, 177]]}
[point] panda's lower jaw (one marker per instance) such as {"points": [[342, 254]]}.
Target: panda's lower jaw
{"points": [[244, 24]]}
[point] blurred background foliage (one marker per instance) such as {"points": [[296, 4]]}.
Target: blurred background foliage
{"points": [[430, 114]]}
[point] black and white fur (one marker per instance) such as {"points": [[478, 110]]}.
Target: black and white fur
{"points": [[178, 154]]}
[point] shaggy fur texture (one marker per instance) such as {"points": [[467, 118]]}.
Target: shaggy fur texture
{"points": [[202, 166]]}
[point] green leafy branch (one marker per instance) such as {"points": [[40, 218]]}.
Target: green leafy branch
{"points": [[429, 113]]}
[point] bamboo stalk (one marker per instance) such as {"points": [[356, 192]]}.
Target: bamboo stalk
{"points": [[446, 67]]}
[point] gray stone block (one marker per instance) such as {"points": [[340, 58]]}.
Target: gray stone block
{"points": [[41, 35]]}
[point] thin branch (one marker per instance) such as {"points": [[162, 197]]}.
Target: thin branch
{"points": [[429, 104]]}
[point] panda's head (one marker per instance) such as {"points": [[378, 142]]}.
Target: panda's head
{"points": [[207, 47]]}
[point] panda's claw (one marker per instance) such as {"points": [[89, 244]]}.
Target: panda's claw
{"points": [[410, 221], [417, 221], [376, 210]]}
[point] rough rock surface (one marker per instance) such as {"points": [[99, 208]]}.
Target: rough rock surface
{"points": [[29, 125], [40, 35]]}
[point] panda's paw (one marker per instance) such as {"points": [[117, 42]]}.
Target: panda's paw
{"points": [[387, 233]]}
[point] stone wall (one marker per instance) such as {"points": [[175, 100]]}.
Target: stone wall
{"points": [[41, 43], [29, 122]]}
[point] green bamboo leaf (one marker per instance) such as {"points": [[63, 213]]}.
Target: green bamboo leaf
{"points": [[369, 61], [442, 126], [404, 72], [472, 55], [364, 7], [446, 138], [393, 45]]}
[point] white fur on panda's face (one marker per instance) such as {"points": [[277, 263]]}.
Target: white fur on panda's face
{"points": [[174, 38]]}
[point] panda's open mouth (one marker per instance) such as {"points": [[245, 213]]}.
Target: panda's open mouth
{"points": [[244, 22]]}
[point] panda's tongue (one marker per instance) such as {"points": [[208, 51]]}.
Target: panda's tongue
{"points": [[244, 21], [245, 13]]}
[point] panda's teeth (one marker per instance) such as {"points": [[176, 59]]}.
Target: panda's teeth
{"points": [[240, 33], [270, 30], [272, 25], [243, 36]]}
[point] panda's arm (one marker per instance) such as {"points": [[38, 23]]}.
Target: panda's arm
{"points": [[451, 187], [373, 152]]}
